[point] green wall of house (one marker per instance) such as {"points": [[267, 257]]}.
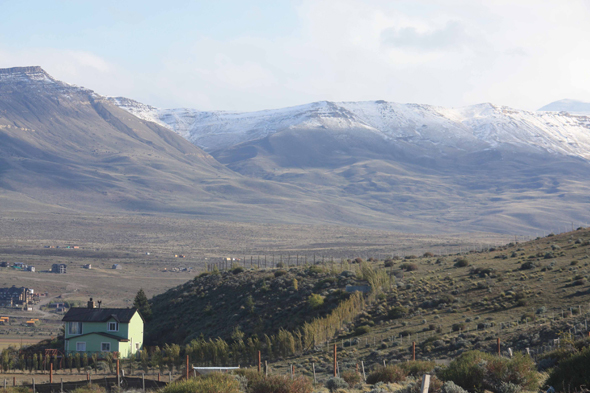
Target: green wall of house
{"points": [[94, 344]]}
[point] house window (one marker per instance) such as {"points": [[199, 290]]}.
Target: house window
{"points": [[81, 347], [105, 347], [137, 346], [75, 328], [113, 327]]}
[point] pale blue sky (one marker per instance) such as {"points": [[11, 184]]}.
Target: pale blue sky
{"points": [[248, 55]]}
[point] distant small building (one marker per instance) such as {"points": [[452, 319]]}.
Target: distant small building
{"points": [[3, 264], [59, 268], [31, 268], [88, 266], [117, 266]]}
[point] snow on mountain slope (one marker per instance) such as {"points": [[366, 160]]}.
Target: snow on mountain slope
{"points": [[471, 128], [571, 106]]}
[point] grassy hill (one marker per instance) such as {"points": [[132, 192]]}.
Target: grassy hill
{"points": [[258, 302], [526, 294]]}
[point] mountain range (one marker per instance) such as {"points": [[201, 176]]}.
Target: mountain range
{"points": [[405, 167]]}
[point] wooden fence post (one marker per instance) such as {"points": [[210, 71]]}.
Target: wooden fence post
{"points": [[413, 350], [498, 342], [335, 360], [50, 373], [313, 368], [259, 362], [187, 370]]}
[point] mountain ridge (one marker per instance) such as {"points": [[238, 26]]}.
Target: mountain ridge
{"points": [[408, 168], [479, 126]]}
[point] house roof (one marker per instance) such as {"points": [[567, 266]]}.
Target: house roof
{"points": [[83, 314], [101, 334]]}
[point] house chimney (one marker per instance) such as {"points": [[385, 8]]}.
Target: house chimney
{"points": [[91, 304], [99, 302]]}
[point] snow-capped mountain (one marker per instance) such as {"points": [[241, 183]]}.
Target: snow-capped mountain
{"points": [[473, 128], [571, 106]]}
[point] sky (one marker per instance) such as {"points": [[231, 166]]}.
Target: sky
{"points": [[244, 55]]}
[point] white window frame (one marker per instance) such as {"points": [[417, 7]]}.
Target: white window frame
{"points": [[81, 343], [116, 329], [105, 350], [79, 326]]}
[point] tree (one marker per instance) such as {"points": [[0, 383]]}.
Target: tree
{"points": [[142, 305]]}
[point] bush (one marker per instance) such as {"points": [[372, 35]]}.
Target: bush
{"points": [[249, 375], [417, 368], [476, 371], [397, 312], [389, 374], [210, 383], [362, 330], [450, 387], [315, 301], [281, 384], [351, 377], [572, 373], [388, 263], [237, 270], [335, 383], [528, 265], [409, 267], [462, 262]]}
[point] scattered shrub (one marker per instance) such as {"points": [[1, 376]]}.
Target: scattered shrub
{"points": [[335, 383], [362, 330], [528, 265], [280, 384], [417, 368], [351, 377], [476, 371], [280, 273], [210, 383], [397, 312], [409, 267], [450, 387], [315, 301], [389, 374], [571, 373], [462, 262]]}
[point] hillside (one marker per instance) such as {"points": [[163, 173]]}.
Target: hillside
{"points": [[482, 167], [66, 149], [256, 302], [524, 293]]}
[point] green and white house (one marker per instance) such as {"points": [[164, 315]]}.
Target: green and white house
{"points": [[99, 330]]}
